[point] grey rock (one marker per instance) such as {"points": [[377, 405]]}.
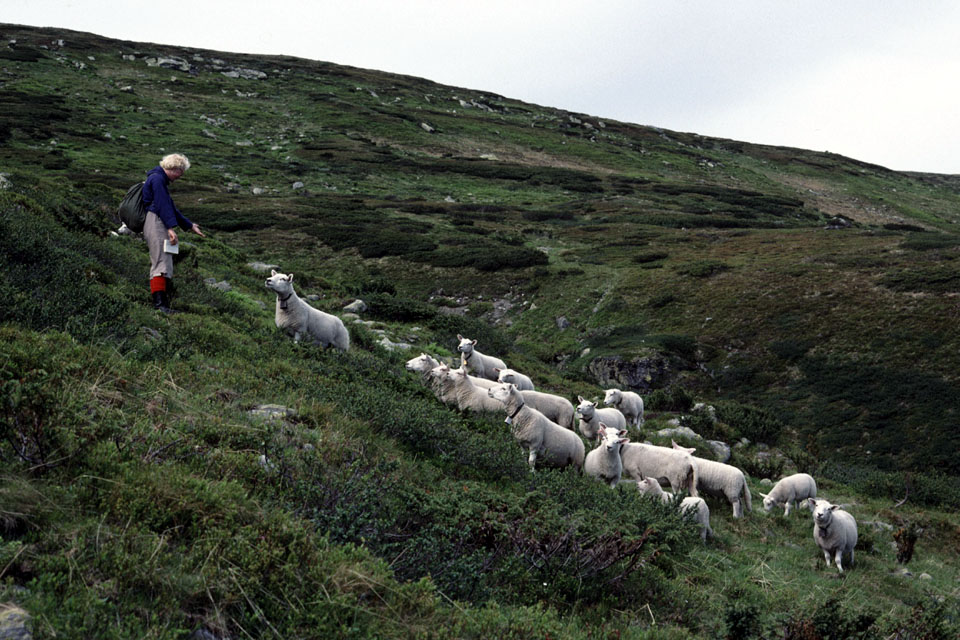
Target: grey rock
{"points": [[272, 412], [426, 127], [357, 306], [766, 482], [258, 191], [642, 374], [222, 285], [562, 323], [262, 267], [312, 297], [297, 185], [720, 449], [903, 572], [684, 432], [13, 623], [151, 333], [4, 182], [926, 576], [876, 525]]}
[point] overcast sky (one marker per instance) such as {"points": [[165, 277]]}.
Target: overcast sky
{"points": [[876, 80]]}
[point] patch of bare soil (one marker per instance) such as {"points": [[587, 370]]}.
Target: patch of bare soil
{"points": [[832, 200]]}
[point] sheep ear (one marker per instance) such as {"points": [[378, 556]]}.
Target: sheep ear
{"points": [[762, 495], [290, 277], [812, 503], [624, 440], [622, 432], [474, 343], [834, 507], [273, 272], [497, 370], [579, 398], [459, 337]]}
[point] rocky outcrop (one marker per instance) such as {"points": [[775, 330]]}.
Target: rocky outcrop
{"points": [[641, 374]]}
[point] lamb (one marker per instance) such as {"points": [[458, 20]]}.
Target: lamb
{"points": [[834, 530], [721, 481], [699, 508], [524, 383], [629, 403], [650, 461], [797, 487], [482, 365], [554, 445], [604, 462], [591, 417], [297, 318]]}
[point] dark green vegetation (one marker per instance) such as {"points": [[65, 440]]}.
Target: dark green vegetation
{"points": [[132, 502]]}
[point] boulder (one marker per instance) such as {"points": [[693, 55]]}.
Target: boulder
{"points": [[357, 306], [642, 374]]}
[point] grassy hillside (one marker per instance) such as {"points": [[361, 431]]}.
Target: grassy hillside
{"points": [[809, 297]]}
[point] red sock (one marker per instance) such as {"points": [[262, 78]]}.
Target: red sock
{"points": [[158, 283]]}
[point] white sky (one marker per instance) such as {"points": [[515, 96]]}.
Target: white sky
{"points": [[876, 80]]}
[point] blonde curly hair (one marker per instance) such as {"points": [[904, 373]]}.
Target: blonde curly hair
{"points": [[175, 161]]}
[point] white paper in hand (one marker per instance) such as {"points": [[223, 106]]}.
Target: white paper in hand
{"points": [[171, 248]]}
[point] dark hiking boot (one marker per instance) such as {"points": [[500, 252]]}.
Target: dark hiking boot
{"points": [[160, 302]]}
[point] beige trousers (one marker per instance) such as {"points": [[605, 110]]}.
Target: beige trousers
{"points": [[154, 232]]}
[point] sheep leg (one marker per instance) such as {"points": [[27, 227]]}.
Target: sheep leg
{"points": [[826, 557], [737, 509], [296, 337], [786, 512], [532, 459], [838, 557]]}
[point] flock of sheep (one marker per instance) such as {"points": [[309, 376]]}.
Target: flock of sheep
{"points": [[543, 424]]}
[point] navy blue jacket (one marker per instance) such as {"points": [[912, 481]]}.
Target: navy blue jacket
{"points": [[157, 198]]}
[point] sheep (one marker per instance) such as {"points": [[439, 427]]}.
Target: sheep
{"points": [[557, 408], [458, 386], [721, 481], [797, 487], [555, 446], [697, 506], [297, 318], [604, 462], [591, 417], [834, 530], [427, 366], [674, 467], [482, 365], [524, 383], [422, 364], [629, 403]]}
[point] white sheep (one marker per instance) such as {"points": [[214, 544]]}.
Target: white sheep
{"points": [[721, 481], [699, 508], [510, 376], [297, 318], [422, 364], [591, 417], [834, 530], [543, 438], [482, 365], [796, 488], [459, 386], [556, 408], [669, 465], [604, 462], [629, 403]]}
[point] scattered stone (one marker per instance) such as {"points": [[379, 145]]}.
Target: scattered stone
{"points": [[268, 466], [297, 185], [876, 525], [246, 74], [150, 333], [208, 133], [685, 432], [389, 345], [222, 285], [357, 306], [562, 323], [13, 623], [766, 482], [258, 191], [903, 572], [926, 576], [707, 409], [244, 143], [4, 182], [312, 297], [720, 449], [262, 267], [426, 127], [272, 412], [449, 199], [127, 88]]}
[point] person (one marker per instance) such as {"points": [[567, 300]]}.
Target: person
{"points": [[162, 219]]}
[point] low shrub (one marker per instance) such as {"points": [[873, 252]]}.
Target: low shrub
{"points": [[754, 423]]}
